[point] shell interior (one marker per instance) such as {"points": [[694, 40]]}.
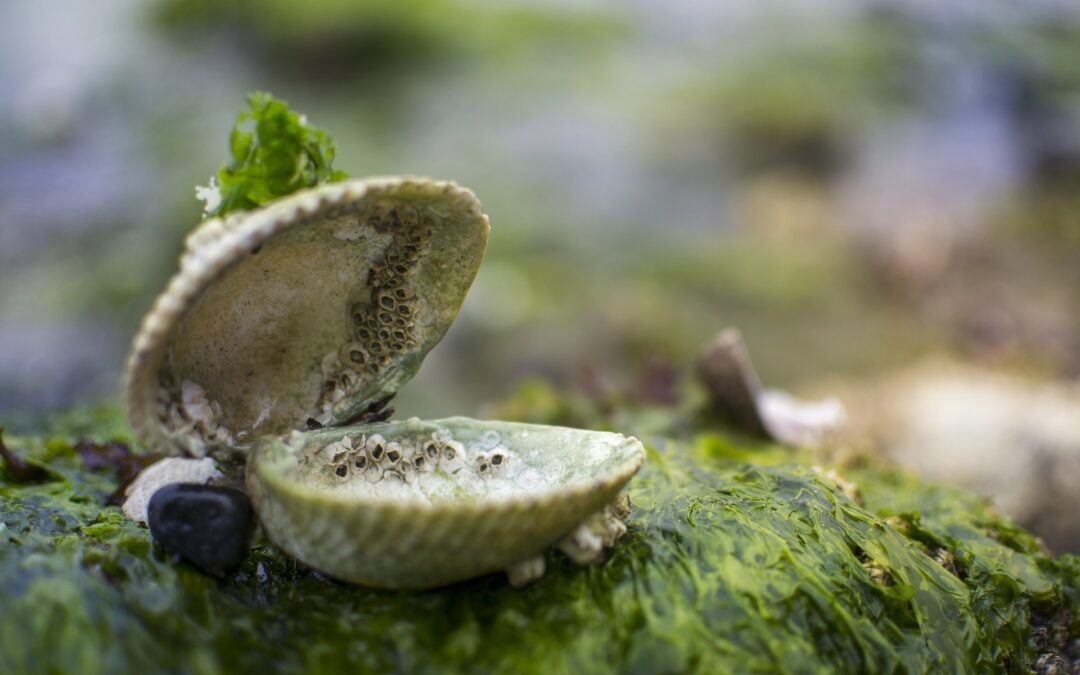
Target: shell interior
{"points": [[312, 308], [418, 504]]}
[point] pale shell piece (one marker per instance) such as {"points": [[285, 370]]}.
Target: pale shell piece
{"points": [[373, 533], [525, 572], [247, 338], [161, 473]]}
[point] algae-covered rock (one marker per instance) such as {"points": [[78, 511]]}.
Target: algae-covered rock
{"points": [[738, 558]]}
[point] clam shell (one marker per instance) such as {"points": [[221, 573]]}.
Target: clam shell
{"points": [[442, 526], [313, 307]]}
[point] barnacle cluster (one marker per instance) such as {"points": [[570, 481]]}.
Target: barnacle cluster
{"points": [[186, 408], [383, 320], [374, 458]]}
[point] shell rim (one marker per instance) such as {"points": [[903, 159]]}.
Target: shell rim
{"points": [[618, 475], [217, 244]]}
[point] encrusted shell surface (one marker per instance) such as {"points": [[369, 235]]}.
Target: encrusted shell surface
{"points": [[462, 498], [313, 307]]}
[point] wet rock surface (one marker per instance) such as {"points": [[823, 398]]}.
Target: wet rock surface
{"points": [[207, 526]]}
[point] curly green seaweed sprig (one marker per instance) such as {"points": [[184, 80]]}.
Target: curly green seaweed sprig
{"points": [[275, 152]]}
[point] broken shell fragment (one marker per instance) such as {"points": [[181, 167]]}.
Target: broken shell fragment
{"points": [[560, 481]]}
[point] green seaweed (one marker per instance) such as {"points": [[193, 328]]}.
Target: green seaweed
{"points": [[275, 152], [729, 564]]}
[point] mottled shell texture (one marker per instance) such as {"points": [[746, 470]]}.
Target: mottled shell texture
{"points": [[419, 504], [313, 307]]}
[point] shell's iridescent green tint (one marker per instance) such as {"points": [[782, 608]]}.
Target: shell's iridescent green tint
{"points": [[313, 307], [420, 504]]}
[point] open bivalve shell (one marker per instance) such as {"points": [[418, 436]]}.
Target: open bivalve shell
{"points": [[288, 326], [419, 504]]}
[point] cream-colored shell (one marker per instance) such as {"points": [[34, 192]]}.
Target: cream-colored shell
{"points": [[256, 333]]}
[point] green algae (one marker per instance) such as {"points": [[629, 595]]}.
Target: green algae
{"points": [[728, 565], [275, 152]]}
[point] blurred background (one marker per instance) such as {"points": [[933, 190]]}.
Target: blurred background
{"points": [[883, 195]]}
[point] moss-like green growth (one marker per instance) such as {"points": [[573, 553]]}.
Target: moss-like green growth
{"points": [[729, 565], [275, 152]]}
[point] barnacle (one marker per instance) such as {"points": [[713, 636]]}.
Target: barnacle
{"points": [[453, 457], [431, 448], [422, 462], [355, 355], [376, 447]]}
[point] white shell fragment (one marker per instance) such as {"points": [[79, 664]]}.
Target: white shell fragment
{"points": [[161, 473], [372, 528], [735, 391], [803, 424]]}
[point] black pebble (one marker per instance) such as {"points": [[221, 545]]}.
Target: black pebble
{"points": [[207, 526]]}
